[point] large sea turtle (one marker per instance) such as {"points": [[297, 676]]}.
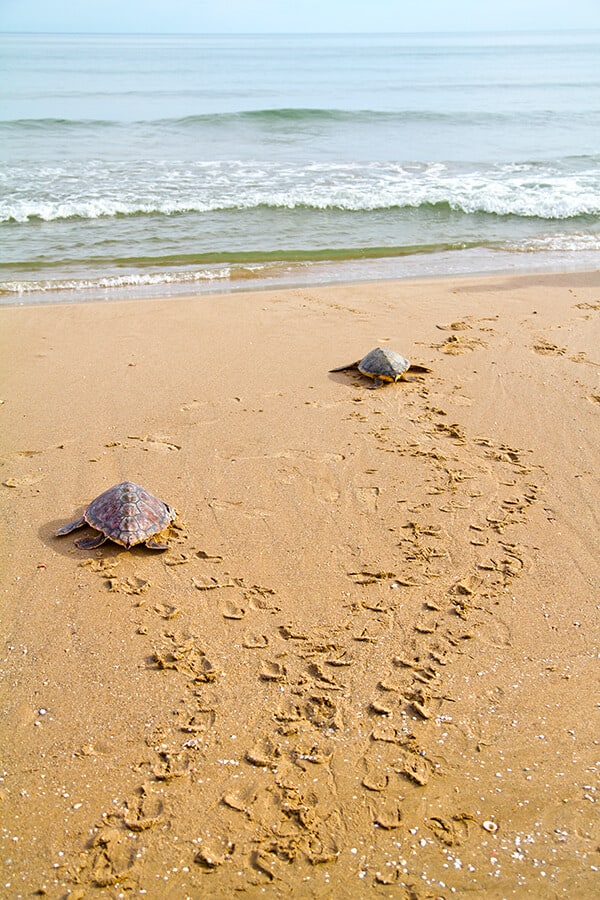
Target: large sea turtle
{"points": [[126, 514], [383, 366]]}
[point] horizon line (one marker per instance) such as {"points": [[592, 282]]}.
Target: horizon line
{"points": [[470, 31]]}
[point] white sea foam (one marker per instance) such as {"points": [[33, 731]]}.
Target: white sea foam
{"points": [[165, 189], [134, 279], [558, 243]]}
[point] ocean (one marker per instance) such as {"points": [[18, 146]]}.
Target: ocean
{"points": [[135, 166]]}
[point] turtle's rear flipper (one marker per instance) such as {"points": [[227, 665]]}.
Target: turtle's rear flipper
{"points": [[154, 543], [91, 543], [66, 529], [353, 365]]}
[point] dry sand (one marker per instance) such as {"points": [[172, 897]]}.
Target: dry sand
{"points": [[368, 664]]}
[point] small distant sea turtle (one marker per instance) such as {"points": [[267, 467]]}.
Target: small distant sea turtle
{"points": [[126, 514], [383, 366]]}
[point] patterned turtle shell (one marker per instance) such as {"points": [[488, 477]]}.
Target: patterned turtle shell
{"points": [[127, 514], [387, 365]]}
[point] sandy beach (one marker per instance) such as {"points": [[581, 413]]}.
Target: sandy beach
{"points": [[367, 665]]}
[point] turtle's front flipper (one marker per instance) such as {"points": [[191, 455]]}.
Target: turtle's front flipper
{"points": [[415, 367], [153, 543], [353, 365], [66, 529], [377, 383], [91, 543]]}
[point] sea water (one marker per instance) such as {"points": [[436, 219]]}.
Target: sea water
{"points": [[148, 165]]}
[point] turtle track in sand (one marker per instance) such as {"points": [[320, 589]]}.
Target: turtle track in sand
{"points": [[358, 707]]}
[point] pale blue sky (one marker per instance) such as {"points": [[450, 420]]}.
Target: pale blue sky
{"points": [[202, 16]]}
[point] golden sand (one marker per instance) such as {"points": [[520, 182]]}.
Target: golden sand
{"points": [[368, 664]]}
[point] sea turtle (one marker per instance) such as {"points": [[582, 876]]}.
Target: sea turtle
{"points": [[383, 365], [126, 514]]}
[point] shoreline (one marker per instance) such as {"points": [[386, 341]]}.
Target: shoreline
{"points": [[241, 277], [364, 663]]}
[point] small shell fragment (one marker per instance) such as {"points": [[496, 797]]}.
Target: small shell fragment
{"points": [[492, 827]]}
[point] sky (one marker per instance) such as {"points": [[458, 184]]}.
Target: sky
{"points": [[248, 16]]}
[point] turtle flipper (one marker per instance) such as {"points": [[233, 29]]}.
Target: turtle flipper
{"points": [[353, 365], [153, 543], [377, 383], [66, 529], [415, 367], [91, 543]]}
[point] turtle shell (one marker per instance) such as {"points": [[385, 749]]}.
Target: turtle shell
{"points": [[128, 514], [387, 365]]}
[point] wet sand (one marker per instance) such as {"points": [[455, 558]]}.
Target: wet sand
{"points": [[367, 665]]}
